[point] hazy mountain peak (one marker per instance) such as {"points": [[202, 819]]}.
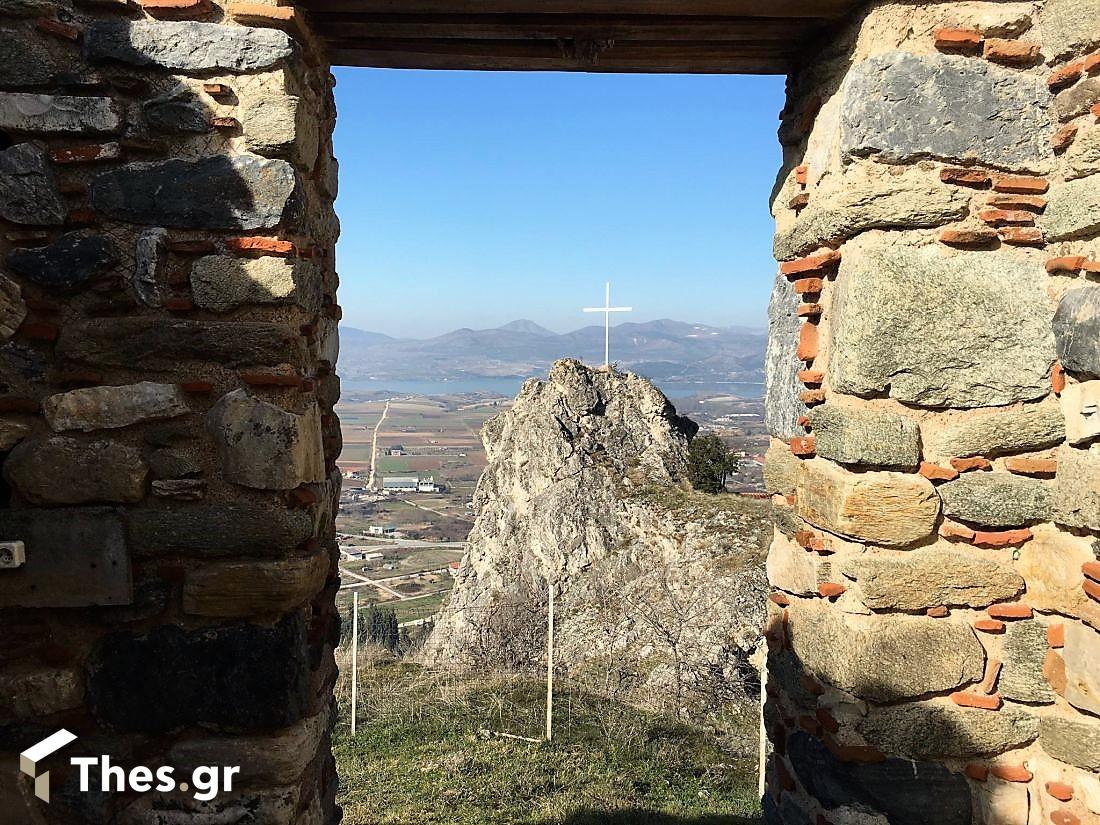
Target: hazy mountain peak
{"points": [[530, 327]]}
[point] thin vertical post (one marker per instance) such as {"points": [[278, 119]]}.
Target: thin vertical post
{"points": [[607, 326], [354, 659], [550, 667]]}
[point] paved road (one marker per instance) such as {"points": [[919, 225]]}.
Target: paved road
{"points": [[374, 445]]}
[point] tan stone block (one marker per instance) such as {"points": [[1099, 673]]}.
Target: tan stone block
{"points": [[249, 588], [1051, 565], [1081, 406]]}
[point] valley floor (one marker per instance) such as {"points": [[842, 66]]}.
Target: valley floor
{"points": [[426, 753]]}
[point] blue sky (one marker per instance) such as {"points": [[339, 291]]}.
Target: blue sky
{"points": [[470, 199]]}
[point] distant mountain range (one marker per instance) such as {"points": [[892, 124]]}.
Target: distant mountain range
{"points": [[670, 351]]}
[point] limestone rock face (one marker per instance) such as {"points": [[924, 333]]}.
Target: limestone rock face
{"points": [[70, 261], [780, 469], [94, 472], [1018, 430], [868, 437], [925, 730], [791, 568], [583, 484], [238, 192], [860, 200], [783, 406], [903, 107], [1077, 488], [28, 192], [97, 408], [1051, 565], [1025, 647], [1083, 156], [221, 283], [885, 508], [891, 658], [973, 350], [928, 577], [1077, 331], [1073, 209], [1069, 26], [57, 113], [1082, 658], [996, 499], [1081, 405], [185, 46], [276, 122], [1074, 741], [264, 446]]}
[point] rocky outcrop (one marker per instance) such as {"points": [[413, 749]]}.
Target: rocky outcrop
{"points": [[659, 590]]}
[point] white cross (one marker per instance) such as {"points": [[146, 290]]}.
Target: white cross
{"points": [[607, 309]]}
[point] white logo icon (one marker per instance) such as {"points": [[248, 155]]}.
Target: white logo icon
{"points": [[29, 759]]}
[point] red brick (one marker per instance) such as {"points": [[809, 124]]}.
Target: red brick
{"points": [[216, 89], [803, 446], [989, 626], [1011, 610], [39, 331], [827, 720], [1010, 52], [803, 538], [65, 31], [804, 422], [853, 753], [226, 123], [830, 590], [191, 247], [968, 237], [820, 262], [809, 724], [988, 684], [801, 174], [1031, 466], [1092, 589], [1022, 235], [780, 599], [808, 310], [19, 405], [811, 376], [934, 472], [1091, 569], [85, 152], [196, 386], [1064, 817], [976, 771], [179, 303], [1011, 773], [1057, 377], [1063, 138], [964, 177], [957, 40], [260, 244], [938, 612], [976, 700], [1067, 263], [974, 463], [1035, 202], [81, 216], [1070, 73], [812, 397], [1000, 217], [1091, 267], [799, 201], [333, 311], [954, 530], [1056, 634], [808, 286], [823, 547], [1020, 184], [807, 342], [1054, 671], [1091, 63], [176, 8], [302, 497], [1002, 538], [1094, 110], [1061, 791]]}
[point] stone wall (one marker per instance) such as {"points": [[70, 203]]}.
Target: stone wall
{"points": [[167, 344], [934, 400]]}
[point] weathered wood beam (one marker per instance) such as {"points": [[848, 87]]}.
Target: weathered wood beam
{"points": [[826, 9]]}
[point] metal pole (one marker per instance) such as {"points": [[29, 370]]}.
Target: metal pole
{"points": [[607, 326], [550, 668], [354, 658]]}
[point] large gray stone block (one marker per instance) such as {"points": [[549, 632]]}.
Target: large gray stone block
{"points": [[61, 471], [69, 262], [96, 408], [866, 437], [28, 192], [239, 192], [241, 529], [186, 46], [24, 112], [1077, 488], [23, 63], [928, 730], [1082, 657], [783, 406], [1023, 429], [936, 331], [1076, 327], [1073, 210], [901, 107], [221, 282], [1074, 741], [997, 499], [1023, 652]]}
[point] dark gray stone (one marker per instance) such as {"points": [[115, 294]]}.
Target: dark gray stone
{"points": [[866, 437], [1023, 652], [1073, 210], [905, 792], [929, 730], [186, 46], [167, 463], [69, 262], [28, 193], [179, 111], [967, 347], [239, 192], [1077, 331], [783, 406], [1025, 429], [997, 499], [239, 677], [94, 472], [1075, 741], [23, 63], [901, 107], [218, 530], [149, 260], [159, 343]]}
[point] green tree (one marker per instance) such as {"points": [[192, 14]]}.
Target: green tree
{"points": [[709, 463]]}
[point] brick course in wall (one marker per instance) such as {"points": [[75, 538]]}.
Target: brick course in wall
{"points": [[953, 470], [167, 344]]}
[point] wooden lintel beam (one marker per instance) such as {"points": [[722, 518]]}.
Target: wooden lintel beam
{"points": [[621, 51], [824, 9]]}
